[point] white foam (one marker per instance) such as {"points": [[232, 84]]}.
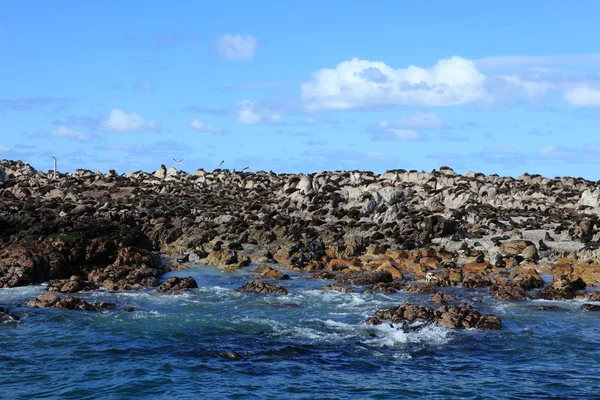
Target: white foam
{"points": [[390, 337]]}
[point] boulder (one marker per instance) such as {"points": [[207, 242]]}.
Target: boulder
{"points": [[515, 247], [442, 298], [262, 288], [453, 317], [72, 285], [508, 291], [177, 285], [365, 277], [338, 288], [51, 300]]}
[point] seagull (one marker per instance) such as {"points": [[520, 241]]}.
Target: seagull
{"points": [[178, 161], [245, 168], [221, 163]]}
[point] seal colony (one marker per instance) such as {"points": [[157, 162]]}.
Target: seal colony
{"points": [[418, 232]]}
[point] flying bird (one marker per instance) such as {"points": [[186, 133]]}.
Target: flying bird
{"points": [[221, 163], [178, 161], [245, 168]]}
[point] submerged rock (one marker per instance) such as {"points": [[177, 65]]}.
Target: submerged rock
{"points": [[453, 317]]}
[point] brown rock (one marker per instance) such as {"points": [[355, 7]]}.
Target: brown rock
{"points": [[72, 285], [338, 288], [442, 298], [508, 291], [43, 301], [262, 288], [515, 247], [590, 307], [365, 278], [420, 287], [593, 296], [177, 285]]}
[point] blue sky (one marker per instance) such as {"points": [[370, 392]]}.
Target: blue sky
{"points": [[302, 86]]}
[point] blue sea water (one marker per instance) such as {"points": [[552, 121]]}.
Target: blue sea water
{"points": [[310, 344]]}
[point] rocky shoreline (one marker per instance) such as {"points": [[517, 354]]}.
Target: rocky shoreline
{"points": [[524, 238]]}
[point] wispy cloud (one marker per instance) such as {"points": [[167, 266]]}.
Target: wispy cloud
{"points": [[250, 113], [236, 47], [452, 137], [30, 103], [143, 86], [66, 133], [200, 126]]}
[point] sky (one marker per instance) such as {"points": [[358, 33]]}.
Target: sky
{"points": [[499, 87]]}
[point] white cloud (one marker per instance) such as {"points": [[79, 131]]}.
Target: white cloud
{"points": [[419, 120], [200, 126], [64, 132], [583, 97], [363, 84], [143, 86], [4, 148], [236, 47], [119, 121], [248, 112]]}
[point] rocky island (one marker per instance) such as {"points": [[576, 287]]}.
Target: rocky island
{"points": [[398, 231]]}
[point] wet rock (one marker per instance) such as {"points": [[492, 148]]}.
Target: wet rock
{"points": [[262, 288], [365, 277], [338, 288], [132, 269], [420, 287], [388, 287], [529, 279], [72, 285], [563, 287], [373, 321], [68, 303], [546, 308], [442, 298], [590, 307], [265, 271], [593, 296], [508, 291], [22, 265], [232, 355], [177, 285], [453, 317]]}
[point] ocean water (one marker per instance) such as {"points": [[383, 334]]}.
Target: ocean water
{"points": [[310, 344]]}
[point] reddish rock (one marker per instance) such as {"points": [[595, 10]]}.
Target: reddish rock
{"points": [[133, 268], [22, 265]]}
